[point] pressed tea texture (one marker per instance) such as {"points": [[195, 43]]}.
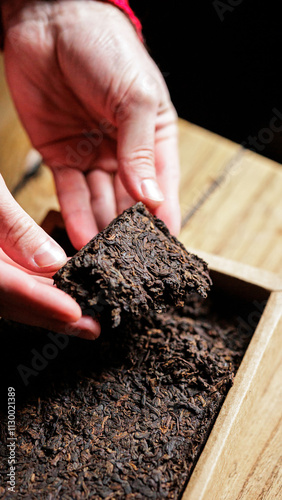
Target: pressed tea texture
{"points": [[132, 266]]}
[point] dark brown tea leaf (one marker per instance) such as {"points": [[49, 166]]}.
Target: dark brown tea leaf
{"points": [[133, 266], [124, 417]]}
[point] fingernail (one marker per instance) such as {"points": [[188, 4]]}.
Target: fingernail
{"points": [[151, 190], [50, 254]]}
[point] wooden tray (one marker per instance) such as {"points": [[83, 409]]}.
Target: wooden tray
{"points": [[234, 450]]}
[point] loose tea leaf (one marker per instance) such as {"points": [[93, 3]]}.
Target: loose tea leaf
{"points": [[132, 266], [126, 416]]}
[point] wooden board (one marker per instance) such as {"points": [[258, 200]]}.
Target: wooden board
{"points": [[203, 156], [240, 218], [242, 457], [38, 195], [14, 143]]}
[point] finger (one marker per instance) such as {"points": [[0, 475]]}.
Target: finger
{"points": [[31, 300], [123, 198], [103, 200], [136, 120], [25, 299], [85, 328], [46, 278], [81, 151], [23, 240], [74, 197], [168, 173]]}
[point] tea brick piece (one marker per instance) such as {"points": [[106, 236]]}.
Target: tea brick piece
{"points": [[133, 266]]}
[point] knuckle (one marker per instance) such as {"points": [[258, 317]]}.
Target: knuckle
{"points": [[139, 160], [143, 93], [20, 229]]}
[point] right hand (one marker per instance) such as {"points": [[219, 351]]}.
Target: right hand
{"points": [[96, 107]]}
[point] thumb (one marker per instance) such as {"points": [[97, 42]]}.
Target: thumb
{"points": [[23, 240], [136, 158]]}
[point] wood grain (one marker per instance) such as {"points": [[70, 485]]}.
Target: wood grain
{"points": [[38, 196], [14, 143], [242, 457], [203, 156], [244, 272], [242, 218]]}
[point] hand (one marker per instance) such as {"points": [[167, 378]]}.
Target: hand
{"points": [[97, 109], [27, 257]]}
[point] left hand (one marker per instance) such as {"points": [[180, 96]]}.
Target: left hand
{"points": [[28, 259]]}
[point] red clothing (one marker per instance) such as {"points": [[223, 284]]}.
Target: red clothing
{"points": [[123, 5]]}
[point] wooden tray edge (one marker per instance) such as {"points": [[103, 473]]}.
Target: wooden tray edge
{"points": [[237, 403], [244, 272]]}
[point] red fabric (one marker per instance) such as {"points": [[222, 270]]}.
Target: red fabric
{"points": [[123, 5]]}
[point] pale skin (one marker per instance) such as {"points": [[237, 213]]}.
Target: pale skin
{"points": [[96, 107]]}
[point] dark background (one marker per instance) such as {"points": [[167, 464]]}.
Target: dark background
{"points": [[224, 75]]}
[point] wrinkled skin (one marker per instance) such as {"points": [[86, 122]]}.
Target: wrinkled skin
{"points": [[96, 107]]}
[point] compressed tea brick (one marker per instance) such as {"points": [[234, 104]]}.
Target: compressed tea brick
{"points": [[133, 266]]}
